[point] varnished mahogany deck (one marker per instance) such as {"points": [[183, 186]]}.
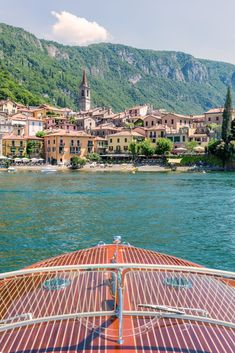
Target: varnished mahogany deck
{"points": [[91, 291]]}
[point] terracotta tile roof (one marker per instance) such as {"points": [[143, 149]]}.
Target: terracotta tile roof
{"points": [[23, 137], [215, 111], [68, 133], [97, 138], [152, 116], [13, 137], [127, 133], [156, 127], [18, 117]]}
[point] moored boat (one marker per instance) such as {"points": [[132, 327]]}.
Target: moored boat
{"points": [[117, 297]]}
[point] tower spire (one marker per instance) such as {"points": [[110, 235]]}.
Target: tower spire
{"points": [[84, 93], [84, 78]]}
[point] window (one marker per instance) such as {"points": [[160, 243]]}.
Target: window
{"points": [[72, 142], [118, 140], [209, 119], [87, 93], [53, 149], [13, 143], [61, 142], [217, 118], [125, 148], [152, 122], [48, 149], [177, 139], [82, 93], [183, 138], [153, 140], [146, 123], [78, 143], [54, 141], [165, 121], [185, 122], [21, 143], [162, 134], [180, 122], [125, 139], [172, 121], [18, 132], [49, 142], [33, 123], [110, 140]]}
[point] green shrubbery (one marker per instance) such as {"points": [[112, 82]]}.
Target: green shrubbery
{"points": [[77, 162], [189, 160], [94, 157]]}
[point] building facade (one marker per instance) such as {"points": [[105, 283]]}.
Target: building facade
{"points": [[119, 143], [62, 146]]}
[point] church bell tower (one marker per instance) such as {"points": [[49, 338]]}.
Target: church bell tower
{"points": [[84, 94]]}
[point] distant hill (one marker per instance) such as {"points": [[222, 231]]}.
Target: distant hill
{"points": [[34, 71]]}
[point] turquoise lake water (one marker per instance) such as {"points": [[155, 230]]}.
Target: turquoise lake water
{"points": [[187, 215]]}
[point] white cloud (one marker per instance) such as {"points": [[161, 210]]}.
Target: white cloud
{"points": [[74, 30]]}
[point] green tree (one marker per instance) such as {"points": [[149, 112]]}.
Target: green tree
{"points": [[30, 148], [227, 118], [190, 145], [163, 146], [146, 148], [94, 157], [233, 130], [133, 148], [77, 162], [40, 134]]}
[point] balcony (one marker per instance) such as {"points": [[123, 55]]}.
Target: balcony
{"points": [[75, 150]]}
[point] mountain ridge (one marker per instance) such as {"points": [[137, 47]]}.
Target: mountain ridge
{"points": [[120, 76]]}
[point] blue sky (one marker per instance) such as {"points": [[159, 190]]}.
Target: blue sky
{"points": [[203, 28]]}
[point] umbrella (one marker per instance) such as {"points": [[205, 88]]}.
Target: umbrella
{"points": [[181, 149], [41, 160], [25, 160], [34, 160], [199, 149], [18, 160], [3, 157]]}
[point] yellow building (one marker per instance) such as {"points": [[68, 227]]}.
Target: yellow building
{"points": [[100, 145], [8, 106], [119, 143], [215, 116], [16, 146], [61, 146]]}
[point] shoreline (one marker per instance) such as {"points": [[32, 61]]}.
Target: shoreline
{"points": [[129, 168]]}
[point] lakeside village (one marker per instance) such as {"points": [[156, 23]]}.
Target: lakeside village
{"points": [[62, 137]]}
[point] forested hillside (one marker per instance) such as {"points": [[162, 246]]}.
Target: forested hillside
{"points": [[34, 71]]}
